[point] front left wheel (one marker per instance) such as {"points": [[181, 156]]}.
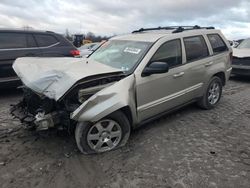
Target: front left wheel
{"points": [[107, 134]]}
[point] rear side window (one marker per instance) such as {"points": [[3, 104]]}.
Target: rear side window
{"points": [[169, 52], [217, 43], [12, 40], [45, 40], [196, 48]]}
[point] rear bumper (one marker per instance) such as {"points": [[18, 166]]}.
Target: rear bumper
{"points": [[241, 70]]}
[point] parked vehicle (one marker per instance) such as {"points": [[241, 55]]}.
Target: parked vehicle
{"points": [[89, 48], [233, 43], [128, 81], [241, 59], [78, 40], [23, 43]]}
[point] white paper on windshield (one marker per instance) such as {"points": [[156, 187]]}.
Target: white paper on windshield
{"points": [[132, 50]]}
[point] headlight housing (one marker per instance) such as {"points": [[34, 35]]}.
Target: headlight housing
{"points": [[84, 94]]}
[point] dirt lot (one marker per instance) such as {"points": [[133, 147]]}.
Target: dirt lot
{"points": [[189, 148]]}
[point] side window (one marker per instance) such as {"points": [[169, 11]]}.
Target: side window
{"points": [[12, 40], [217, 43], [196, 48], [45, 40], [30, 41], [169, 52]]}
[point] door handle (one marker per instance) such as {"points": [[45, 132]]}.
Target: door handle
{"points": [[178, 75], [209, 64]]}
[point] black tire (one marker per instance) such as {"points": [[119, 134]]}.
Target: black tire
{"points": [[83, 128], [204, 102]]}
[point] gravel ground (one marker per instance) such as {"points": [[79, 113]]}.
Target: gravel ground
{"points": [[188, 148]]}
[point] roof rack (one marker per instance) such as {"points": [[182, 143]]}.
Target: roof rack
{"points": [[49, 32], [176, 29]]}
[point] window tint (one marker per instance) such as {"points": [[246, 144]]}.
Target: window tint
{"points": [[12, 40], [170, 52], [31, 41], [196, 48], [217, 43], [45, 40]]}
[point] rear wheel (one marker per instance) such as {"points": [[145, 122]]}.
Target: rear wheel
{"points": [[107, 134], [213, 94]]}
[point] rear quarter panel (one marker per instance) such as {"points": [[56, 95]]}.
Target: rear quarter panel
{"points": [[221, 61]]}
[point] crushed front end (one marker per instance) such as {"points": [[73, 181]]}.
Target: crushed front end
{"points": [[56, 87], [41, 113]]}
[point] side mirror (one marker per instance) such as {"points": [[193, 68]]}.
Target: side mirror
{"points": [[155, 68]]}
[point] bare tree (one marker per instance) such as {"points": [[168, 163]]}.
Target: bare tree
{"points": [[67, 35]]}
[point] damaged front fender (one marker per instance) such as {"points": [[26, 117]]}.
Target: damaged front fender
{"points": [[108, 100]]}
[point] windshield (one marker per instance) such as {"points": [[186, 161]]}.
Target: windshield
{"points": [[97, 46], [244, 44], [121, 54]]}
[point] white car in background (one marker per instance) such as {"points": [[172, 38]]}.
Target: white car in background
{"points": [[89, 48], [241, 59]]}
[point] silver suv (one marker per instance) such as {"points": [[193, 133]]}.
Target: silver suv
{"points": [[128, 81]]}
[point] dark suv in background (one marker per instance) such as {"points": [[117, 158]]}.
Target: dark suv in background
{"points": [[29, 43]]}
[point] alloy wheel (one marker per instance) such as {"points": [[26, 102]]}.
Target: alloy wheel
{"points": [[214, 93], [104, 135]]}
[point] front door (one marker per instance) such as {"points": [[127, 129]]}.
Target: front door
{"points": [[159, 92]]}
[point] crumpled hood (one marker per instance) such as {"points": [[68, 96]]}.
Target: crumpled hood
{"points": [[53, 77], [241, 52]]}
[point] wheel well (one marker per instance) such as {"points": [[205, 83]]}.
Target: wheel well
{"points": [[126, 110], [222, 76]]}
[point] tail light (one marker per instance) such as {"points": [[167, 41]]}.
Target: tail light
{"points": [[75, 53]]}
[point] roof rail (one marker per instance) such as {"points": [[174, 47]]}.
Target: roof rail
{"points": [[176, 29], [49, 31]]}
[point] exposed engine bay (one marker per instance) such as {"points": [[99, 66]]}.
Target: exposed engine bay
{"points": [[39, 112]]}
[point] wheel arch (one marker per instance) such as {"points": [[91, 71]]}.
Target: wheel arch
{"points": [[128, 113], [222, 76], [119, 96]]}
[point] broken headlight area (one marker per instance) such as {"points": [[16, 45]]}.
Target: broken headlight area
{"points": [[84, 94], [42, 113]]}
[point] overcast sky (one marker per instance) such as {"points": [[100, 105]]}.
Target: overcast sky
{"points": [[108, 17]]}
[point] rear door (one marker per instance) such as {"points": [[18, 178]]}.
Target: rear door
{"points": [[197, 60], [14, 45], [49, 45]]}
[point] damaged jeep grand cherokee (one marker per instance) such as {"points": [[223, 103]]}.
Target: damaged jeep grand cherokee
{"points": [[128, 81]]}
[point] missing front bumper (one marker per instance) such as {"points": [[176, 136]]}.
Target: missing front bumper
{"points": [[18, 111], [40, 121]]}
